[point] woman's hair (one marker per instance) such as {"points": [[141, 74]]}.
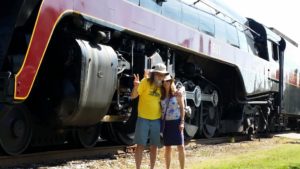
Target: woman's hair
{"points": [[172, 90]]}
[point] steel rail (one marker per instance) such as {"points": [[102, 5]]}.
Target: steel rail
{"points": [[219, 140], [58, 155]]}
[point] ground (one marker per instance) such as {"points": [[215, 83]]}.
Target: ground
{"points": [[196, 155]]}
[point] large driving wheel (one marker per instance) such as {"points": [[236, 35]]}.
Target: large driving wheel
{"points": [[191, 110], [122, 132], [191, 123], [125, 130], [86, 137], [210, 114], [15, 129]]}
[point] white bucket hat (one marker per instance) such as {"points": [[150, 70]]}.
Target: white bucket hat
{"points": [[159, 68]]}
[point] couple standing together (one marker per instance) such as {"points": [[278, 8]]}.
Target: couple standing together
{"points": [[158, 99]]}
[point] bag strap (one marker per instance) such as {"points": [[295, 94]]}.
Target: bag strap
{"points": [[164, 117], [167, 106]]}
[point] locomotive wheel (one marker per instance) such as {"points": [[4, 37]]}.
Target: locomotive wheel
{"points": [[86, 137], [273, 124], [210, 116], [191, 123], [119, 133], [124, 131], [106, 133], [210, 120], [15, 129]]}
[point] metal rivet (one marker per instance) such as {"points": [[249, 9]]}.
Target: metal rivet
{"points": [[100, 74]]}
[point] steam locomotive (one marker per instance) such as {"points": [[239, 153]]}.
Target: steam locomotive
{"points": [[66, 69]]}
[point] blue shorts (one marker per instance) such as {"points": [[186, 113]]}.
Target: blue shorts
{"points": [[147, 129]]}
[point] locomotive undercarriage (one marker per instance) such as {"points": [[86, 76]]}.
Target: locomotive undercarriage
{"points": [[61, 107]]}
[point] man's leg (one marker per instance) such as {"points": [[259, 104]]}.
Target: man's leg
{"points": [[153, 153], [138, 155], [140, 138], [154, 140]]}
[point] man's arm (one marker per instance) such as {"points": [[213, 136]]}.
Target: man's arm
{"points": [[136, 82], [134, 92]]}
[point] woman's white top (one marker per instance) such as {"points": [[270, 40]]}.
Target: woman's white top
{"points": [[173, 111]]}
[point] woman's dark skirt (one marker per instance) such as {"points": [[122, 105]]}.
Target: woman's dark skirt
{"points": [[172, 134]]}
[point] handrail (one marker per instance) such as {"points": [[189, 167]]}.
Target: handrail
{"points": [[284, 36], [218, 11]]}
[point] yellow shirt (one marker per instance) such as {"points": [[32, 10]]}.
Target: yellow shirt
{"points": [[149, 101]]}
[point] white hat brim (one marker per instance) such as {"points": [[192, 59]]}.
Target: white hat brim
{"points": [[157, 71]]}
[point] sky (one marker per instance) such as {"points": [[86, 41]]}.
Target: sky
{"points": [[282, 15]]}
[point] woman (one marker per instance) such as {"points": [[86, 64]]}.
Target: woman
{"points": [[172, 121]]}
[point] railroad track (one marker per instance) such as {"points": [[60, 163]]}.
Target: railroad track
{"points": [[58, 155], [99, 152], [219, 140]]}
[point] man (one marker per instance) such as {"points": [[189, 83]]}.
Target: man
{"points": [[149, 112]]}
